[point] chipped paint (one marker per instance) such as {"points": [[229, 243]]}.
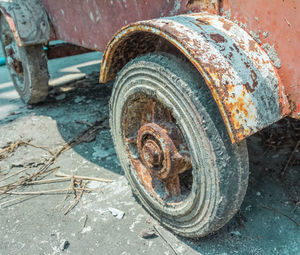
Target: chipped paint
{"points": [[256, 36], [92, 17], [227, 14], [238, 72], [272, 53], [279, 21], [209, 6], [265, 34], [177, 5], [27, 20]]}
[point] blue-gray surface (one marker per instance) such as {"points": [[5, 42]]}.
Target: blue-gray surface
{"points": [[2, 59], [1, 52]]}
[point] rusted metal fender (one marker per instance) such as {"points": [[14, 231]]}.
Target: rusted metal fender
{"points": [[240, 75], [28, 21]]}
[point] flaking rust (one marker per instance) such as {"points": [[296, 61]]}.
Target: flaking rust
{"points": [[148, 126], [238, 72], [272, 53], [28, 21], [211, 6]]}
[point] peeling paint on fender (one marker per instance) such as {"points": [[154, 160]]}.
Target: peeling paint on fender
{"points": [[240, 75]]}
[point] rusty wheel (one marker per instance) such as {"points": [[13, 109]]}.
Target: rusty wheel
{"points": [[174, 147], [27, 66]]}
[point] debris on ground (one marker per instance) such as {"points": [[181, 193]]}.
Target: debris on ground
{"points": [[60, 97], [64, 244], [77, 183], [116, 212], [148, 233]]}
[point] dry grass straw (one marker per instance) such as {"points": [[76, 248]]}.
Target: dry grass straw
{"points": [[288, 163], [77, 187], [82, 177], [12, 146]]}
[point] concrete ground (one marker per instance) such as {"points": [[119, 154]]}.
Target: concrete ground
{"points": [[268, 222], [1, 52]]}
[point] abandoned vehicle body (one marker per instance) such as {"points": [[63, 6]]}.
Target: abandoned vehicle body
{"points": [[193, 79]]}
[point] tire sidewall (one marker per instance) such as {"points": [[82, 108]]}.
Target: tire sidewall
{"points": [[33, 86], [207, 196]]}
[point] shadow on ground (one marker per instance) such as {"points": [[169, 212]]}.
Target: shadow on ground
{"points": [[268, 221]]}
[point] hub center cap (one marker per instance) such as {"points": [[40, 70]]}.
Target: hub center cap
{"points": [[152, 154]]}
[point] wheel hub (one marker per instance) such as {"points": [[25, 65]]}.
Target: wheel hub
{"points": [[156, 148], [151, 154], [158, 152]]}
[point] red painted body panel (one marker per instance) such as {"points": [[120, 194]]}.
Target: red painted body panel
{"points": [[93, 23]]}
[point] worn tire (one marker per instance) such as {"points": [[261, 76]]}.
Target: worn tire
{"points": [[220, 168], [27, 66]]}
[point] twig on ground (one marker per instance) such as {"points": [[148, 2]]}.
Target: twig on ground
{"points": [[17, 199], [47, 192], [86, 136], [282, 213], [62, 179], [84, 122], [83, 177], [160, 234], [35, 178], [75, 202], [61, 204], [42, 192], [289, 160], [40, 147], [23, 181], [85, 221], [11, 147], [14, 174], [296, 206]]}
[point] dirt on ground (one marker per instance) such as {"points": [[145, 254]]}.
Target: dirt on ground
{"points": [[68, 135]]}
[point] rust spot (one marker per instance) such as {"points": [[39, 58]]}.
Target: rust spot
{"points": [[254, 79], [227, 25], [293, 106], [218, 38], [253, 75], [205, 62], [10, 52], [134, 44], [211, 6], [247, 64], [248, 87], [17, 66], [236, 48], [203, 22], [7, 39], [252, 45], [280, 106]]}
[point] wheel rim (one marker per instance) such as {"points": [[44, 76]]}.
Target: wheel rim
{"points": [[13, 55], [157, 149]]}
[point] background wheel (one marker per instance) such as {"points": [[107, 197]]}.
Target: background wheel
{"points": [[174, 147], [27, 66]]}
